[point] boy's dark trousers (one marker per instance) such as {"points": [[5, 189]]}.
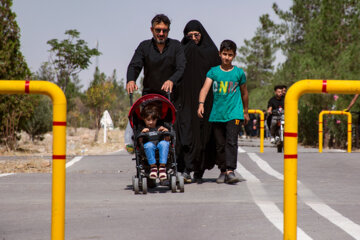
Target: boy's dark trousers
{"points": [[226, 138]]}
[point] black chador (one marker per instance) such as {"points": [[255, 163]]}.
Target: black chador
{"points": [[195, 143]]}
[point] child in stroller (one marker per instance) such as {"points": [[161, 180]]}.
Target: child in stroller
{"points": [[155, 139], [152, 118]]}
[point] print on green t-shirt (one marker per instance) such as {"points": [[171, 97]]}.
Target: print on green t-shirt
{"points": [[227, 104]]}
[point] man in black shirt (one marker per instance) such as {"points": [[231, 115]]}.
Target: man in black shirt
{"points": [[275, 103], [163, 60]]}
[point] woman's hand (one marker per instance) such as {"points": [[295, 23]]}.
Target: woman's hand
{"points": [[145, 130]]}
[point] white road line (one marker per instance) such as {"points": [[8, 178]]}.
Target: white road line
{"points": [[240, 150], [269, 208], [310, 199], [6, 174], [73, 161]]}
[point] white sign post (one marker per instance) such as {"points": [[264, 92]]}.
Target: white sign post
{"points": [[106, 122]]}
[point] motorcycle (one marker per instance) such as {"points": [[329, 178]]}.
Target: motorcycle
{"points": [[278, 115]]}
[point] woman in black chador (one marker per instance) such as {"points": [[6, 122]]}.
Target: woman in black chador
{"points": [[195, 144]]}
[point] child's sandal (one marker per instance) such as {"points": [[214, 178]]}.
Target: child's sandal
{"points": [[153, 173], [162, 173]]}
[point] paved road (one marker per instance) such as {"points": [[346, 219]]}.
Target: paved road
{"points": [[100, 203]]}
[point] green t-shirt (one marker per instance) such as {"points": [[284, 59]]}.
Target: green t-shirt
{"points": [[227, 103]]}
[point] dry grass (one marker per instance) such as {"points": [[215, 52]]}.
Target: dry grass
{"points": [[36, 156]]}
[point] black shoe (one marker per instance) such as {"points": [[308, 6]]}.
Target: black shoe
{"points": [[231, 178], [198, 177], [221, 178], [198, 180], [187, 177]]}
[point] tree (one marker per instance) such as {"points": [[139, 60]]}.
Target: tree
{"points": [[258, 55], [13, 108], [99, 98], [320, 40], [68, 58], [40, 121]]}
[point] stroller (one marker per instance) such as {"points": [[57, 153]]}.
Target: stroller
{"points": [[141, 180]]}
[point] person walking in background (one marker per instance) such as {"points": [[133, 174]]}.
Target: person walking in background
{"points": [[230, 108], [195, 144], [162, 58]]}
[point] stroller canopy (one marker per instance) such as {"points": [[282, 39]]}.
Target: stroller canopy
{"points": [[167, 108]]}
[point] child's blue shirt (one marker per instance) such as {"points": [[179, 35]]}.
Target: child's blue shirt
{"points": [[227, 104]]}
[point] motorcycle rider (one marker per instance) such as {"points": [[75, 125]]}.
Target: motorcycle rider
{"points": [[275, 103]]}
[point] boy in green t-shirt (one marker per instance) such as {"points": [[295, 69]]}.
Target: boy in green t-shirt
{"points": [[230, 108]]}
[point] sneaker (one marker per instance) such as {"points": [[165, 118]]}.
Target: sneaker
{"points": [[277, 139], [221, 178], [187, 177], [272, 140], [231, 178], [162, 173], [153, 173]]}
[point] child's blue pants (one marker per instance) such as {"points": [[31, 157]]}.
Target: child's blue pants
{"points": [[150, 148]]}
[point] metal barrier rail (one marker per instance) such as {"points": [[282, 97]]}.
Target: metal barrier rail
{"points": [[261, 113], [59, 144], [291, 140], [321, 123]]}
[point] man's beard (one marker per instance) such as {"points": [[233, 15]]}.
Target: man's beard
{"points": [[160, 41]]}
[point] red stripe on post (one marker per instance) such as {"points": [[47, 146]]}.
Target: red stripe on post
{"points": [[320, 131], [59, 123], [289, 134], [290, 156], [324, 85], [59, 157], [27, 86]]}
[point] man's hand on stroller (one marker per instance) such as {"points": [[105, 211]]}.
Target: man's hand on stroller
{"points": [[167, 86], [131, 87]]}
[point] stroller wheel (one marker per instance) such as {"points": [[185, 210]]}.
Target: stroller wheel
{"points": [[181, 183], [173, 184], [144, 185], [136, 185]]}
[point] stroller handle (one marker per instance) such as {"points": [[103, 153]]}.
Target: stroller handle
{"points": [[131, 99], [168, 95]]}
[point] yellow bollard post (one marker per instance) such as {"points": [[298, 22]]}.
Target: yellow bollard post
{"points": [[349, 130], [291, 141], [59, 144], [321, 129], [261, 113]]}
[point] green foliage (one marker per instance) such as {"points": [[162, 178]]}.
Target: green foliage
{"points": [[68, 58], [320, 40], [13, 108], [257, 56], [12, 63], [40, 121], [99, 97]]}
